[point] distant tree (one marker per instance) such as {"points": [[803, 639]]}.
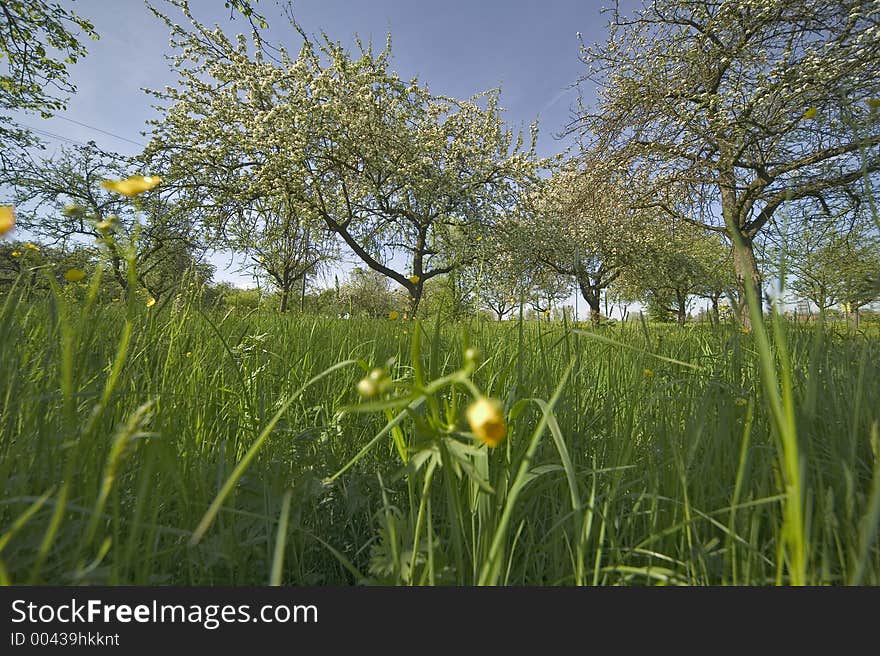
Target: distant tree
{"points": [[282, 241], [500, 275], [814, 257], [718, 280], [579, 225], [502, 293], [617, 299], [367, 292], [451, 296], [547, 290], [677, 265], [859, 273], [737, 106]]}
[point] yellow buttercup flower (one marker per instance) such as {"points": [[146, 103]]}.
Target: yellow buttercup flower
{"points": [[136, 184], [7, 219], [648, 373], [74, 275], [189, 354], [151, 301], [414, 279], [811, 113], [740, 402], [487, 421], [393, 315], [15, 253], [31, 247]]}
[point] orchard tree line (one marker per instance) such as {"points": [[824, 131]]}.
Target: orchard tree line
{"points": [[732, 145]]}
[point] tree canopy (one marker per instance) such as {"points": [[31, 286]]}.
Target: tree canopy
{"points": [[732, 109], [404, 177]]}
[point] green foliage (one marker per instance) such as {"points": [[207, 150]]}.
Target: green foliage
{"points": [[620, 478], [367, 293], [675, 266], [188, 433], [39, 41], [388, 166], [724, 112], [61, 200]]}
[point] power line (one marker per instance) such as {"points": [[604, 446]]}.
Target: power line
{"points": [[70, 140], [55, 136], [110, 134]]}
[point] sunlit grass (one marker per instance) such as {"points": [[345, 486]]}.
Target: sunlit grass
{"points": [[171, 445]]}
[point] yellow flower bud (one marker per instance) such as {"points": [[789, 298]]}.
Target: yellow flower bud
{"points": [[109, 224], [7, 219], [74, 275], [367, 388], [487, 421], [375, 382], [72, 209], [136, 184]]}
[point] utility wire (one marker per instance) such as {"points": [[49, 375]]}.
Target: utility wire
{"points": [[110, 134], [70, 140], [46, 133]]}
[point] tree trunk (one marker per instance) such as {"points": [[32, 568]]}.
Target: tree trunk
{"points": [[747, 274], [592, 295], [285, 298], [744, 264], [302, 298], [716, 315], [415, 296], [854, 315], [681, 310]]}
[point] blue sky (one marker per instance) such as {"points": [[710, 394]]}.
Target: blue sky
{"points": [[458, 47]]}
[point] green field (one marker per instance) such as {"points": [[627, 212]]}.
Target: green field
{"points": [[172, 445]]}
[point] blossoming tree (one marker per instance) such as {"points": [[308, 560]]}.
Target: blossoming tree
{"points": [[580, 225], [405, 178], [750, 104]]}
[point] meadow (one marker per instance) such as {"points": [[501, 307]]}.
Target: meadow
{"points": [[176, 445]]}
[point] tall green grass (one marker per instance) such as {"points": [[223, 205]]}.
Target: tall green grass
{"points": [[168, 445]]}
